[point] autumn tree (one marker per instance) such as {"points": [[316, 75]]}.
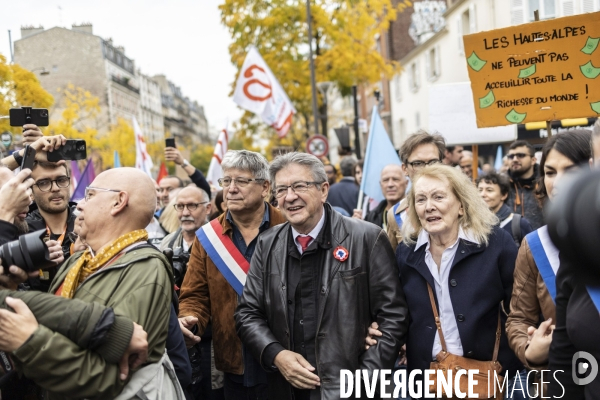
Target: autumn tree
{"points": [[344, 36], [19, 87]]}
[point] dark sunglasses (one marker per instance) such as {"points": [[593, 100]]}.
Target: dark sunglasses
{"points": [[519, 155]]}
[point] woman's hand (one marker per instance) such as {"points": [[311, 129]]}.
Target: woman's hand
{"points": [[372, 333], [538, 344]]}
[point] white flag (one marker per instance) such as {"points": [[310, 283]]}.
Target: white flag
{"points": [[258, 91], [142, 158], [214, 170]]}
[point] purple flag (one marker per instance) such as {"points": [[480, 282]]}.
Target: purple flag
{"points": [[75, 175], [87, 177]]}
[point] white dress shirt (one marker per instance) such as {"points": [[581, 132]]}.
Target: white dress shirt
{"points": [[442, 290], [313, 234]]}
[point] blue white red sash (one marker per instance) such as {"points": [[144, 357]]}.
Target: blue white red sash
{"points": [[545, 255], [397, 215], [223, 253], [594, 292]]}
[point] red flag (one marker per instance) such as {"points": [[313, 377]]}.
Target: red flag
{"points": [[162, 172]]}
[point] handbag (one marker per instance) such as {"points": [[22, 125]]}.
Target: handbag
{"points": [[485, 382]]}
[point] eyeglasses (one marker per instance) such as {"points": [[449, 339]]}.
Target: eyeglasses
{"points": [[239, 182], [190, 206], [87, 195], [45, 185], [297, 187], [518, 155], [422, 164]]}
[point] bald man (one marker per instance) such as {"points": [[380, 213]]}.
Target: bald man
{"points": [[393, 186], [119, 270]]}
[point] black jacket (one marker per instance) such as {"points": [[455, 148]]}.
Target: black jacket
{"points": [[8, 232], [521, 199], [480, 279], [344, 194], [362, 289], [377, 215]]}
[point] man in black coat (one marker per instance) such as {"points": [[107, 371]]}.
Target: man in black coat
{"points": [[345, 193], [315, 284]]}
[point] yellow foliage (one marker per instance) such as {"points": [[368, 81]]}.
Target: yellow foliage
{"points": [[19, 87], [344, 35]]}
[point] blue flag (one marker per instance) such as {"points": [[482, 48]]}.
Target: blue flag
{"points": [[380, 152], [498, 162], [117, 160]]}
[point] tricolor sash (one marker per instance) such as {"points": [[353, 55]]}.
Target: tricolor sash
{"points": [[594, 292], [397, 215], [223, 253], [545, 255]]}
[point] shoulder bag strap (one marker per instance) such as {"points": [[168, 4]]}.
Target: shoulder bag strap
{"points": [[438, 323], [497, 345], [515, 228]]}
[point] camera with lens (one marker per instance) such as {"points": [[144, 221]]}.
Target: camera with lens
{"points": [[29, 252], [179, 262]]}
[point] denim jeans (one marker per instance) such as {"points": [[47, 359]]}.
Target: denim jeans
{"points": [[520, 387]]}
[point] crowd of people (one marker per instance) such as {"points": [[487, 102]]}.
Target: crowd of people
{"points": [[269, 287]]}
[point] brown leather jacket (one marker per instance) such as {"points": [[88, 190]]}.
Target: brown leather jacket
{"points": [[530, 297], [205, 293]]}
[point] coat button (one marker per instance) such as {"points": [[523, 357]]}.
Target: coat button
{"points": [[462, 252], [470, 354], [453, 282], [323, 289], [283, 287], [301, 322], [460, 317]]}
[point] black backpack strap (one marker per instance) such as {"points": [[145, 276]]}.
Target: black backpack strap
{"points": [[515, 227], [175, 236]]}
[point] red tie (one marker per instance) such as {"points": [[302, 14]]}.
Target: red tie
{"points": [[304, 241]]}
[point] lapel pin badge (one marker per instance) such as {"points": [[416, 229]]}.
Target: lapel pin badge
{"points": [[340, 253]]}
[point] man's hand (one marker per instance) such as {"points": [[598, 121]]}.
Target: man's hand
{"points": [[31, 133], [372, 333], [186, 324], [47, 144], [14, 276], [538, 345], [137, 352], [172, 154], [14, 196], [296, 370], [55, 251], [16, 327], [357, 213]]}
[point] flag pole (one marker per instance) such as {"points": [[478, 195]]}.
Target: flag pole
{"points": [[361, 195], [313, 86]]}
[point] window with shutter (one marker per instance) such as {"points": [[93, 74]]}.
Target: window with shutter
{"points": [[428, 67], [587, 6], [437, 62], [472, 19], [517, 12], [567, 7], [397, 88]]}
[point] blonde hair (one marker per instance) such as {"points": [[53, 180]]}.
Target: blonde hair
{"points": [[477, 218], [168, 219]]}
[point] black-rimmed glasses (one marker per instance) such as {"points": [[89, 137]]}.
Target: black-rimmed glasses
{"points": [[190, 206], [45, 185]]}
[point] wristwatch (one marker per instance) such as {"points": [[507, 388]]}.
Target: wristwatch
{"points": [[185, 163], [18, 158]]}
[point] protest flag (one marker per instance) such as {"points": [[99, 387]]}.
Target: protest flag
{"points": [[87, 177], [379, 153], [117, 160], [499, 161], [258, 91], [215, 172], [142, 158], [162, 172]]}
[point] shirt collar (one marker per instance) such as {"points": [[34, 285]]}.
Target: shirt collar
{"points": [[462, 234], [265, 221], [315, 232]]}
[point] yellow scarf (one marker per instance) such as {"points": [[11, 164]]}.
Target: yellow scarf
{"points": [[87, 265]]}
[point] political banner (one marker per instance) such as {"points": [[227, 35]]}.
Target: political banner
{"points": [[540, 71]]}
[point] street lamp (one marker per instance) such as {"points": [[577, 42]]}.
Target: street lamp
{"points": [[324, 88]]}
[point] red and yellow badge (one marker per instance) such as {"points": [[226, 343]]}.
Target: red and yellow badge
{"points": [[340, 253]]}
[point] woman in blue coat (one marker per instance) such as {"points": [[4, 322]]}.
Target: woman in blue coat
{"points": [[453, 244]]}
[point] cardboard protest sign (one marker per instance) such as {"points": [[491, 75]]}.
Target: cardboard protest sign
{"points": [[534, 72]]}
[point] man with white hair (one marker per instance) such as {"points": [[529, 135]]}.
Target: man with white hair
{"points": [[216, 272]]}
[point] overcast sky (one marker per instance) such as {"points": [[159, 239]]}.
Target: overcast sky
{"points": [[183, 39]]}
